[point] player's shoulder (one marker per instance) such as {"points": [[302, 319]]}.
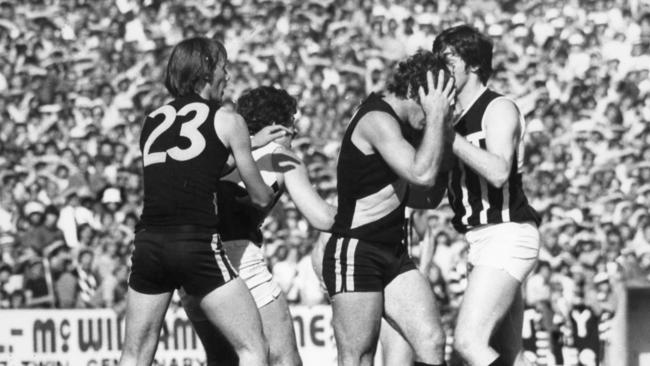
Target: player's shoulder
{"points": [[184, 103], [228, 118], [501, 106], [501, 102], [378, 120]]}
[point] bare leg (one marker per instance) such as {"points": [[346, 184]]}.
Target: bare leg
{"points": [[507, 338], [410, 307], [218, 350], [356, 319], [489, 295], [278, 327], [395, 349], [232, 310], [144, 316]]}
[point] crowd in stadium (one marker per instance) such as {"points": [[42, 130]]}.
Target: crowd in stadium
{"points": [[76, 78]]}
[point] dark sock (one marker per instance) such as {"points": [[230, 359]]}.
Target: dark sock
{"points": [[498, 362], [429, 364]]}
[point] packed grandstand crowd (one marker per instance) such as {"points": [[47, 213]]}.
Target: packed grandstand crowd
{"points": [[76, 78]]}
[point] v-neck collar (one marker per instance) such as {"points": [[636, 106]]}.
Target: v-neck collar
{"points": [[471, 104]]}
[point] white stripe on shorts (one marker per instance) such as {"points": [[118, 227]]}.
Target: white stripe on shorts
{"points": [[337, 265], [219, 258], [349, 256]]}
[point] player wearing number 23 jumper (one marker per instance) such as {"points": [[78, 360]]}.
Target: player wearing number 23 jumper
{"points": [[185, 145]]}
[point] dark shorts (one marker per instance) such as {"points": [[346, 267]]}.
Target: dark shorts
{"points": [[353, 265], [164, 260]]}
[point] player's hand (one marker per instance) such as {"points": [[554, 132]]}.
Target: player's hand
{"points": [[440, 95], [269, 134]]}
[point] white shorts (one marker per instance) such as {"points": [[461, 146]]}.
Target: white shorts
{"points": [[511, 246], [249, 261]]}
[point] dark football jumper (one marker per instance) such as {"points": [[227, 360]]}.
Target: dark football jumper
{"points": [[368, 248], [176, 242]]}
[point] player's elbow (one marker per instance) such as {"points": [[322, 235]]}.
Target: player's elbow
{"points": [[424, 180], [499, 179], [324, 221], [262, 199]]}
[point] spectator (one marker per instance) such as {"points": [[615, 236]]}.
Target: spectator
{"points": [[17, 300], [5, 273], [37, 289], [86, 279], [65, 286], [69, 141]]}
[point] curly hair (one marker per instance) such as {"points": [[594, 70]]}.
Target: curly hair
{"points": [[411, 74], [473, 47], [266, 105]]}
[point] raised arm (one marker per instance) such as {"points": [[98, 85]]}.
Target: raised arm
{"points": [[232, 129], [263, 137], [418, 166], [294, 175], [502, 133]]}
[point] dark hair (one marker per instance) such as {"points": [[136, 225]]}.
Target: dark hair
{"points": [[192, 62], [412, 73], [468, 43], [266, 105]]}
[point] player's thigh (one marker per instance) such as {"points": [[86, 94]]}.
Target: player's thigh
{"points": [[218, 350], [356, 318], [410, 306], [231, 308], [144, 317], [394, 348], [490, 293], [278, 328]]}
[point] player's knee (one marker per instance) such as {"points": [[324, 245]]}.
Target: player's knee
{"points": [[253, 356], [465, 343], [254, 349], [284, 359], [352, 356], [430, 338]]}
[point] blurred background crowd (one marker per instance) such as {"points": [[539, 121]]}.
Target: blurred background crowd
{"points": [[77, 76]]}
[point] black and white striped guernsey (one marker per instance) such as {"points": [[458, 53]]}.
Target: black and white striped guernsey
{"points": [[371, 197], [474, 200]]}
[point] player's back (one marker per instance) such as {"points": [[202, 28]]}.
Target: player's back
{"points": [[371, 197], [182, 159]]}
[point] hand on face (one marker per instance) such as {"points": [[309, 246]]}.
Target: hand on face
{"points": [[277, 133], [439, 97]]}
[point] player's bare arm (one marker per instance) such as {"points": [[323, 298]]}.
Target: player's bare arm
{"points": [[502, 136], [418, 166], [262, 138], [232, 128], [294, 174]]}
